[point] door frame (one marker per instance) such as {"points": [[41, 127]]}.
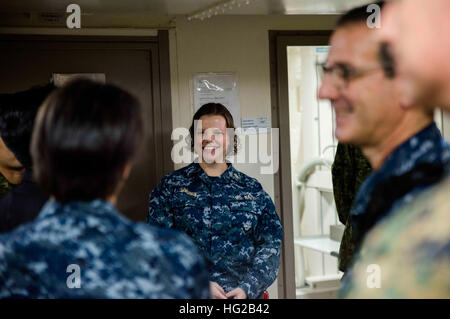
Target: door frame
{"points": [[279, 93], [158, 48]]}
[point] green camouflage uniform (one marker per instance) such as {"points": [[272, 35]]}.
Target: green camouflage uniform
{"points": [[5, 186], [350, 168], [410, 248]]}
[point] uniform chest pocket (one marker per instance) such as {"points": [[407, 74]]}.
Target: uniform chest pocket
{"points": [[187, 214], [245, 216]]}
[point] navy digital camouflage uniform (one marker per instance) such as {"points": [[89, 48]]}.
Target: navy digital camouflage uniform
{"points": [[413, 167], [117, 258], [231, 218], [416, 164], [412, 250], [350, 169]]}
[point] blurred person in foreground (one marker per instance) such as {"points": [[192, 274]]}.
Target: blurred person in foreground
{"points": [[401, 141], [408, 254], [84, 141]]}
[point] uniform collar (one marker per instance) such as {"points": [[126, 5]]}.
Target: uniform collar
{"points": [[414, 150], [95, 207], [231, 174], [426, 146]]}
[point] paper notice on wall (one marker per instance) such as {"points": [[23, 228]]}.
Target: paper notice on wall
{"points": [[218, 88], [254, 125], [59, 79]]}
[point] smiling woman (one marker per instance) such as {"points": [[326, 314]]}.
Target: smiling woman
{"points": [[227, 213], [210, 128], [210, 139], [109, 255]]}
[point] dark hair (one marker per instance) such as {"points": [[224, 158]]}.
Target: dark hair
{"points": [[17, 115], [85, 134], [387, 60], [357, 15], [213, 109]]}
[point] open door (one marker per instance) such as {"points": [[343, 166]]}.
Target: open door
{"points": [[303, 184]]}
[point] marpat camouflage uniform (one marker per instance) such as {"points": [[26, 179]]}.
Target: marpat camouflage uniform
{"points": [[412, 250], [116, 257], [5, 186], [231, 218], [350, 168]]}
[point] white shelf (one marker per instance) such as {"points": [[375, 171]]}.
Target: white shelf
{"points": [[312, 293], [325, 281], [322, 244]]}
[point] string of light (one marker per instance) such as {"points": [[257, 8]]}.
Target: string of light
{"points": [[218, 8]]}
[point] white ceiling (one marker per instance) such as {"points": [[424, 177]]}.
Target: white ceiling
{"points": [[182, 7]]}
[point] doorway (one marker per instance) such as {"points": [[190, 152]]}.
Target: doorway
{"points": [[137, 64], [303, 185]]}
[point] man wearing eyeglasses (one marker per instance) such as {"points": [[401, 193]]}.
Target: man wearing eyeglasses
{"points": [[400, 140], [411, 248]]}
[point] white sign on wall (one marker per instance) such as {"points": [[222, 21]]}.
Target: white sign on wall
{"points": [[218, 88], [59, 79], [253, 125]]}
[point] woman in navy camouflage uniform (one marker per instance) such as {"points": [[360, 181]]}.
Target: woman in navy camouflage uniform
{"points": [[227, 213], [80, 246]]}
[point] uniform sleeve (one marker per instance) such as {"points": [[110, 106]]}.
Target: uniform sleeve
{"points": [[3, 275], [343, 176], [198, 287], [159, 209], [350, 168], [268, 237], [190, 267]]}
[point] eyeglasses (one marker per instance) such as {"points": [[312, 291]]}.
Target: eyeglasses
{"points": [[342, 74]]}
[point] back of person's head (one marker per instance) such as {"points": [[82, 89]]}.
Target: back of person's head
{"points": [[86, 133], [17, 116]]}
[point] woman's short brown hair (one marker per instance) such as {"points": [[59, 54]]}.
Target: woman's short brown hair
{"points": [[85, 134], [213, 109]]}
